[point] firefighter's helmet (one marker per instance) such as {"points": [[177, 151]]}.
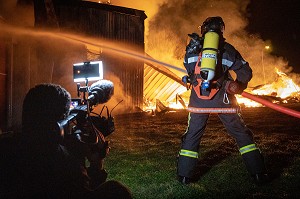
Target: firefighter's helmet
{"points": [[215, 24]]}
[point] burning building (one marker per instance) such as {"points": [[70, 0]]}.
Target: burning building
{"points": [[72, 31], [47, 52]]}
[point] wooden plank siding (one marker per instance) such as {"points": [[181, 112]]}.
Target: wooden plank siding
{"points": [[35, 59], [117, 24], [3, 87], [109, 22]]}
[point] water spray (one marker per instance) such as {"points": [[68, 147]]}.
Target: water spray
{"points": [[144, 57], [8, 29], [124, 52]]}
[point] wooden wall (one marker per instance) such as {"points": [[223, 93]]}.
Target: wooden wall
{"points": [[111, 23], [34, 59], [3, 85]]}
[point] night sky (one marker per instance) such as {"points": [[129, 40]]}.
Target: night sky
{"points": [[279, 22]]}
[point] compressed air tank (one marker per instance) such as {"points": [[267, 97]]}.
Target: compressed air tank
{"points": [[209, 57]]}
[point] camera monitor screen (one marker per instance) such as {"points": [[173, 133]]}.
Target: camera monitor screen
{"points": [[74, 103], [91, 71]]}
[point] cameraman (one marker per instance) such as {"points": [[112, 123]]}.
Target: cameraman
{"points": [[37, 162]]}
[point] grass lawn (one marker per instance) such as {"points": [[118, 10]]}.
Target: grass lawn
{"points": [[144, 150]]}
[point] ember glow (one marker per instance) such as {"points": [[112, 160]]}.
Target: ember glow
{"points": [[167, 45], [283, 87], [282, 90], [247, 102]]}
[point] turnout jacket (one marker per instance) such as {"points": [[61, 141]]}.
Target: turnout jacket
{"points": [[228, 59]]}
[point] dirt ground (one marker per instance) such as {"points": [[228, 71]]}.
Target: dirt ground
{"points": [[276, 134]]}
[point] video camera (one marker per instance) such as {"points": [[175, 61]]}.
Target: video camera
{"points": [[87, 126]]}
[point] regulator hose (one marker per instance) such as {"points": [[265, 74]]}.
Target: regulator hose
{"points": [[272, 105]]}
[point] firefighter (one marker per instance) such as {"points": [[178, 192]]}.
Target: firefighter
{"points": [[216, 93]]}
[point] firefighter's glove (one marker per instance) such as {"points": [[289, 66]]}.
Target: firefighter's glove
{"points": [[190, 78], [186, 79], [233, 87], [195, 45]]}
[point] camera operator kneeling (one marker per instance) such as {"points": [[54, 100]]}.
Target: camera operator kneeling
{"points": [[37, 164]]}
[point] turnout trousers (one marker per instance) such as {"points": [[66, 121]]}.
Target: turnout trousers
{"points": [[235, 126]]}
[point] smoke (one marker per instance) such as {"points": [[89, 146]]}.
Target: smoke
{"points": [[167, 26], [16, 13], [6, 8], [170, 21], [118, 97]]}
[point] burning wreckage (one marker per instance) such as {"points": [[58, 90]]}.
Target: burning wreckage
{"points": [[282, 91], [156, 88]]}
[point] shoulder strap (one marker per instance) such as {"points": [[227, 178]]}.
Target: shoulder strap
{"points": [[197, 88]]}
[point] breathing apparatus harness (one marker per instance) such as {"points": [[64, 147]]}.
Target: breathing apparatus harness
{"points": [[208, 48], [198, 86], [201, 79]]}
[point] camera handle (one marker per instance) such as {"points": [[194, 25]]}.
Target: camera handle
{"points": [[83, 89]]}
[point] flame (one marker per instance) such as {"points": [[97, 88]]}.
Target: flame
{"points": [[175, 105], [247, 102], [283, 87], [280, 91]]}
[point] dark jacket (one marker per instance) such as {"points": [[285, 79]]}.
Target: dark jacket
{"points": [[32, 168], [228, 59]]}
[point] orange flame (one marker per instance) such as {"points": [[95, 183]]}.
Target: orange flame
{"points": [[280, 90]]}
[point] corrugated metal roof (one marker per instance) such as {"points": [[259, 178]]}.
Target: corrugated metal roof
{"points": [[160, 86]]}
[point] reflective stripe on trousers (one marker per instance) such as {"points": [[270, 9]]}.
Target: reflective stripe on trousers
{"points": [[187, 153], [248, 148]]}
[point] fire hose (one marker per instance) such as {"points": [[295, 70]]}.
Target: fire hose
{"points": [[251, 97], [272, 105], [244, 94]]}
